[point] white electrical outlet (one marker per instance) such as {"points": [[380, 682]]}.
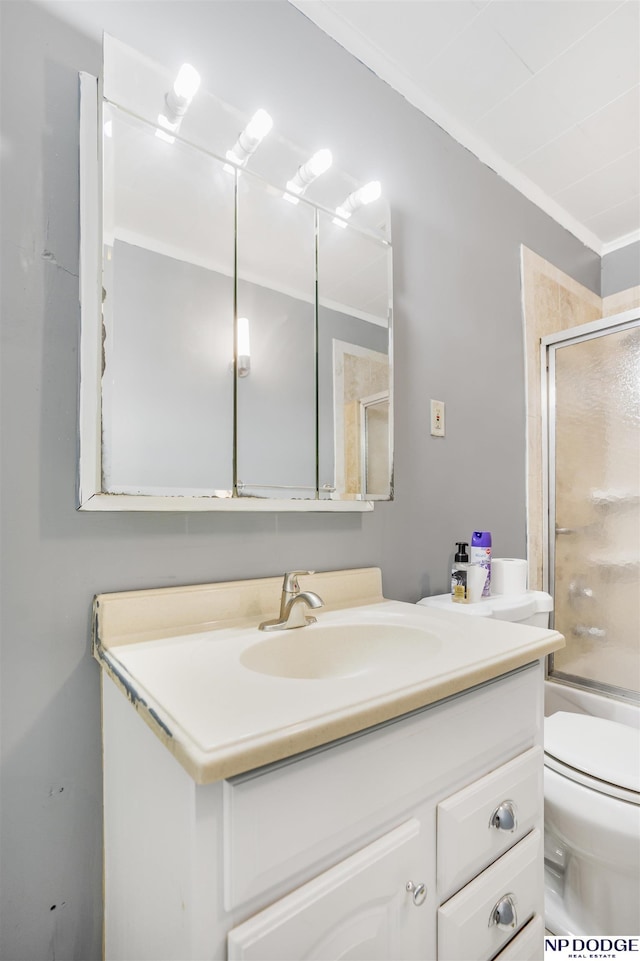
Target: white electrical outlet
{"points": [[437, 418]]}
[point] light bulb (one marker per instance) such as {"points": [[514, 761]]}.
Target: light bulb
{"points": [[364, 195], [369, 192], [307, 173], [186, 83], [182, 93], [259, 125], [319, 163], [243, 347], [250, 138]]}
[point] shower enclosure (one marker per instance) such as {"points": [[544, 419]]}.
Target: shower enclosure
{"points": [[591, 382]]}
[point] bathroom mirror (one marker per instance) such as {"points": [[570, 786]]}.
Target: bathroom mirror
{"points": [[236, 335], [354, 361], [276, 398]]}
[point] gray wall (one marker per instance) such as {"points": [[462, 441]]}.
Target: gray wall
{"points": [[168, 380], [621, 269], [457, 234]]}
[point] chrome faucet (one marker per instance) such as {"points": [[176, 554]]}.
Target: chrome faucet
{"points": [[292, 605]]}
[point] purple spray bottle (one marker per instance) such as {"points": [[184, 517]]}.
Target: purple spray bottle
{"points": [[481, 555]]}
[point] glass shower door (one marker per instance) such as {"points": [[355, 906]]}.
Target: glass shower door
{"points": [[594, 505]]}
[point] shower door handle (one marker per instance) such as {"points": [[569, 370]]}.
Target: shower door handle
{"points": [[581, 630], [577, 590], [566, 530]]}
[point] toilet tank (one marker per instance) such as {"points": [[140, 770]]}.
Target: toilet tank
{"points": [[530, 607]]}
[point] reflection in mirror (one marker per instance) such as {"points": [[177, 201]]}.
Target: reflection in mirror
{"points": [[276, 429], [195, 268], [374, 444], [354, 363], [167, 405]]}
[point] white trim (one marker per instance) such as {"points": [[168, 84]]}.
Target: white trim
{"points": [[373, 400], [90, 495], [594, 326], [132, 502], [548, 494], [328, 20], [90, 289], [611, 245]]}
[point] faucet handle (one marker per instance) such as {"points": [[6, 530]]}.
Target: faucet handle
{"points": [[290, 584]]}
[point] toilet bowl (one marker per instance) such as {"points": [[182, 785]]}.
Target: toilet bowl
{"points": [[592, 826]]}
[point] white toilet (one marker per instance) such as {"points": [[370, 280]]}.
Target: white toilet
{"points": [[592, 801], [592, 826]]}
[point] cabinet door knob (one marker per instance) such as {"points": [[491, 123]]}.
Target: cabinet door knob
{"points": [[504, 817], [503, 913], [417, 891]]}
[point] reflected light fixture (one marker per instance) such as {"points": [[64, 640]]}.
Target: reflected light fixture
{"points": [[307, 173], [176, 102], [243, 347], [364, 195], [250, 139]]}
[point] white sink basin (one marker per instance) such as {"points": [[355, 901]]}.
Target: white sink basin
{"points": [[338, 650], [224, 697]]}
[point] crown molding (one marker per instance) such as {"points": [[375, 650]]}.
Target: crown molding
{"points": [[332, 23], [611, 245]]}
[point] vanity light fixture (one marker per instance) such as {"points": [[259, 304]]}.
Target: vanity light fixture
{"points": [[166, 129], [176, 102], [243, 347], [307, 173], [364, 195], [250, 139]]}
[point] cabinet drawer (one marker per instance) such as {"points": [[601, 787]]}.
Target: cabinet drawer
{"points": [[466, 927], [528, 945], [468, 841]]}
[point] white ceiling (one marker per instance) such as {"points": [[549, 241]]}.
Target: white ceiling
{"points": [[546, 92]]}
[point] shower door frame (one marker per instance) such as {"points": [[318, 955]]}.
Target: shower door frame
{"points": [[548, 346]]}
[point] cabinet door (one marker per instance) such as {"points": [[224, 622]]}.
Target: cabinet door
{"points": [[359, 910]]}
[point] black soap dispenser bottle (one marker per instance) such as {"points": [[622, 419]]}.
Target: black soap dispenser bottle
{"points": [[459, 578]]}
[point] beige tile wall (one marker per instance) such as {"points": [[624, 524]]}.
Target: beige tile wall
{"points": [[625, 300], [363, 376], [552, 301]]}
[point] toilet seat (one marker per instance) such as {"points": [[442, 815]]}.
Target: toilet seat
{"points": [[602, 755]]}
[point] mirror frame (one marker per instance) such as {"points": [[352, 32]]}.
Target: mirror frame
{"points": [[90, 494]]}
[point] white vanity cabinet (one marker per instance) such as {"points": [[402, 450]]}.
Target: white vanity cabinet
{"points": [[419, 838]]}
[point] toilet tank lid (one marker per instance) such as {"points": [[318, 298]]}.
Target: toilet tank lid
{"points": [[504, 607], [604, 749]]}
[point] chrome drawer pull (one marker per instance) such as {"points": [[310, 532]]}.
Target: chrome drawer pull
{"points": [[504, 817], [418, 891], [503, 913]]}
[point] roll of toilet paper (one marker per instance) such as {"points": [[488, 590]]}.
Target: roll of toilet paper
{"points": [[508, 575]]}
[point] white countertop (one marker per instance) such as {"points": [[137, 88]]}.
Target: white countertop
{"points": [[220, 717]]}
